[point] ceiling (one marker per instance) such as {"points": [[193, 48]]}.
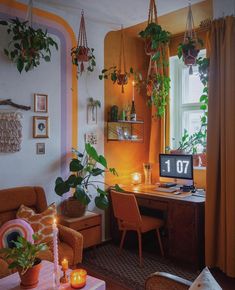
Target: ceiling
{"points": [[116, 12]]}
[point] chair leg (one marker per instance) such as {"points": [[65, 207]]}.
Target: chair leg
{"points": [[140, 247], [122, 240], [160, 241]]}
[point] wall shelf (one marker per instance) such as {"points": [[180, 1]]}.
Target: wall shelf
{"points": [[125, 131]]}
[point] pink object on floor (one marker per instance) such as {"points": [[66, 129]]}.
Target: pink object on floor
{"points": [[46, 281]]}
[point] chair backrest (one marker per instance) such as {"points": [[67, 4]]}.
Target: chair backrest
{"points": [[125, 208], [12, 198]]}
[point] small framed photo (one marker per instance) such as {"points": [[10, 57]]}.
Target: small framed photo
{"points": [[40, 127], [40, 103], [91, 115], [40, 148]]}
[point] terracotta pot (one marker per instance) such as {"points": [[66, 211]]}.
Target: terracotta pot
{"points": [[203, 159], [190, 56], [29, 279], [72, 207], [148, 47], [196, 160], [122, 79], [83, 54]]}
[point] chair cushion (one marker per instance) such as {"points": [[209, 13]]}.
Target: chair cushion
{"points": [[41, 223], [205, 281], [150, 223]]}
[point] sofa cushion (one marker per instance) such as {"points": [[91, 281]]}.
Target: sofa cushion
{"points": [[205, 281], [41, 223]]}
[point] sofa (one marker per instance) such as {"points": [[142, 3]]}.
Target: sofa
{"points": [[70, 242]]}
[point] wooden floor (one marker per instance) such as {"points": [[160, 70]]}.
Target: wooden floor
{"points": [[225, 282]]}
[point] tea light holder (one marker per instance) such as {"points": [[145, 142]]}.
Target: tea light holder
{"points": [[78, 278], [136, 178], [64, 268]]}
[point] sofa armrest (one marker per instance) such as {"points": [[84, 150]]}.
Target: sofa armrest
{"points": [[166, 281], [74, 239]]}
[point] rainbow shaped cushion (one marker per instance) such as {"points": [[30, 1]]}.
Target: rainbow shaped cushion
{"points": [[12, 229]]}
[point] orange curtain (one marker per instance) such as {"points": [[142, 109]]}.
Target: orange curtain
{"points": [[160, 127], [220, 198]]}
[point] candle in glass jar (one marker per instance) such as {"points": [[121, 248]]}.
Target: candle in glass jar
{"points": [[136, 178], [65, 264], [78, 278]]}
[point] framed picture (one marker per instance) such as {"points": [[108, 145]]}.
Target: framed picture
{"points": [[40, 148], [40, 127], [91, 115], [40, 103]]}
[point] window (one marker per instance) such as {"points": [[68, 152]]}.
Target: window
{"points": [[186, 91]]}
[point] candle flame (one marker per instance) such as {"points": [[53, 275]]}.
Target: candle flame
{"points": [[133, 83]]}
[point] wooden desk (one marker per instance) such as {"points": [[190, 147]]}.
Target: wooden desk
{"points": [[184, 218]]}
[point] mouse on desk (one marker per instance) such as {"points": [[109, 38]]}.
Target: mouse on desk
{"points": [[177, 192]]}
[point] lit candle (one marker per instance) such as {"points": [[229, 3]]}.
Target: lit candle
{"points": [[65, 265], [55, 252], [78, 278], [136, 178], [133, 90]]}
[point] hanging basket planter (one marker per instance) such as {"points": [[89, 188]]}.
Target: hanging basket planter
{"points": [[190, 48], [82, 53]]}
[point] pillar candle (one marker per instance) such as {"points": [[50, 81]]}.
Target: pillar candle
{"points": [[55, 251], [133, 90]]}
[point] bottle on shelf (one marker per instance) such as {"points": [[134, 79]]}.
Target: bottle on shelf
{"points": [[133, 112]]}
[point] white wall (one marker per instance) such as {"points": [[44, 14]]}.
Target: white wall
{"points": [[223, 8]]}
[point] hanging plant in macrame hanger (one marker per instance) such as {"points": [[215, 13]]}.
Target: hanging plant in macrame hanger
{"points": [[122, 76], [189, 49], [82, 53]]}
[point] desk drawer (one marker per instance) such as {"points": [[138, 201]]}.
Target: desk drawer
{"points": [[156, 204]]}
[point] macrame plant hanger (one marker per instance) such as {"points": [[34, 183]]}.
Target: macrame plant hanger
{"points": [[83, 50], [152, 18], [29, 15], [190, 33], [122, 78]]}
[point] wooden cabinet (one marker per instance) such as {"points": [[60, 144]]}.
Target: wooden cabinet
{"points": [[88, 225]]}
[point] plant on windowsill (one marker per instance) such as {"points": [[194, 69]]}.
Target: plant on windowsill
{"points": [[24, 257], [28, 46], [85, 168]]}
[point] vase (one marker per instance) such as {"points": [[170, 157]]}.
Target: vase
{"points": [[147, 173], [29, 279]]}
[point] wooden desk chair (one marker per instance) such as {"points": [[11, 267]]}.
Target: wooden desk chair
{"points": [[127, 212]]}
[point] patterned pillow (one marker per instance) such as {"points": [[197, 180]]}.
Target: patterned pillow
{"points": [[41, 223]]}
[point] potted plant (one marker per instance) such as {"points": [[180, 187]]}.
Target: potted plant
{"points": [[24, 257], [83, 54], [189, 49], [154, 37], [85, 168], [28, 45]]}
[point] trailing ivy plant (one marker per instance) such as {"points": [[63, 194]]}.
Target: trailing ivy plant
{"points": [[28, 46]]}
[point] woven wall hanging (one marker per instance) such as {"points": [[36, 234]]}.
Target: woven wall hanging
{"points": [[10, 132]]}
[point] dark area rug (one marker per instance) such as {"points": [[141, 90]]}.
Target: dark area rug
{"points": [[125, 268]]}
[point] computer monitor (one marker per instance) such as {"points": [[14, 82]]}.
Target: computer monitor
{"points": [[176, 166]]}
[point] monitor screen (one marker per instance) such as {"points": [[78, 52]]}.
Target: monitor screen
{"points": [[176, 166]]}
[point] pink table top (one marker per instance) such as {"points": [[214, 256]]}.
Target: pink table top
{"points": [[12, 282]]}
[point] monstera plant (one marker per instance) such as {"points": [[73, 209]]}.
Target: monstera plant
{"points": [[85, 171], [28, 46]]}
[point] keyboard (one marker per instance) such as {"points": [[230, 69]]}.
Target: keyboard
{"points": [[165, 189]]}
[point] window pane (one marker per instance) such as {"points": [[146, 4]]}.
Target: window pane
{"points": [[192, 87], [192, 121]]}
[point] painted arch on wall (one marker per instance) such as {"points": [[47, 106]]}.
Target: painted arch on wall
{"points": [[69, 87]]}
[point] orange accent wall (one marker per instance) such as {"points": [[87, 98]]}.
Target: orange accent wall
{"points": [[129, 157]]}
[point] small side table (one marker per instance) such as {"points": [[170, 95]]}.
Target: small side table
{"points": [[88, 225]]}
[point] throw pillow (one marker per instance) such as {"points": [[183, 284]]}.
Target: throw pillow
{"points": [[41, 223], [205, 281]]}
